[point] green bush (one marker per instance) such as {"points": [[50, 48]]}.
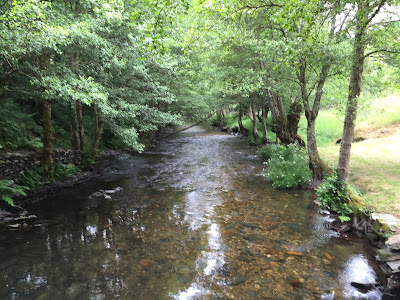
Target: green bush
{"points": [[8, 189], [254, 142], [265, 153], [33, 177], [288, 167], [62, 171], [335, 196]]}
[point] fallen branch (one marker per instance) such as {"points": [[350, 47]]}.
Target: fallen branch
{"points": [[175, 132]]}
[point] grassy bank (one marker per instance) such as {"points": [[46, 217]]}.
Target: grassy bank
{"points": [[375, 161]]}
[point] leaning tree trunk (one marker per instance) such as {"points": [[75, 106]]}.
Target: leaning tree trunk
{"points": [[357, 69], [253, 112], [47, 151]]}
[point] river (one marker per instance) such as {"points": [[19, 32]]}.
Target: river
{"points": [[195, 219]]}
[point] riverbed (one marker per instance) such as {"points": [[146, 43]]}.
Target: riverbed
{"points": [[195, 219]]}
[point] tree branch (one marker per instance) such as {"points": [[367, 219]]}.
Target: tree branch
{"points": [[380, 50]]}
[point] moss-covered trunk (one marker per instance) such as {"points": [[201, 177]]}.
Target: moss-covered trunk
{"points": [[264, 115], [99, 125], [284, 125], [47, 150], [254, 120], [357, 69], [82, 141], [242, 129], [75, 141]]}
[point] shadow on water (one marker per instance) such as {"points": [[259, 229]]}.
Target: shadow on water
{"points": [[195, 220]]}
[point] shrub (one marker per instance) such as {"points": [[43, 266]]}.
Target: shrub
{"points": [[62, 171], [265, 153], [33, 177], [8, 189], [335, 196], [288, 167]]}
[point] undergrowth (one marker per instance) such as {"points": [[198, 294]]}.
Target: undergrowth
{"points": [[334, 195], [287, 167], [8, 190]]}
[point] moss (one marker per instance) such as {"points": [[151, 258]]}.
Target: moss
{"points": [[357, 204], [381, 229]]}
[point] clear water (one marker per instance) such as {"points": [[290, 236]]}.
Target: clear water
{"points": [[195, 220]]}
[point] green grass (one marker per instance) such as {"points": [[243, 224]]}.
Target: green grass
{"points": [[328, 127], [375, 170], [231, 120], [381, 112], [374, 162]]}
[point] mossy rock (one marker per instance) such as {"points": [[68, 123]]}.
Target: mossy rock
{"points": [[381, 229]]}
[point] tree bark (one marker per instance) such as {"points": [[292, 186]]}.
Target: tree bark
{"points": [[80, 125], [47, 151], [242, 129], [75, 141], [254, 120], [357, 69], [99, 125], [285, 126], [264, 115]]}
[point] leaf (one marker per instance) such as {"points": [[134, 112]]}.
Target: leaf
{"points": [[8, 199]]}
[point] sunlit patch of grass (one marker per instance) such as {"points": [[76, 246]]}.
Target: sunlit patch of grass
{"points": [[381, 112], [375, 169]]}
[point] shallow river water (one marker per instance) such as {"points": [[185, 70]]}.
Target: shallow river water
{"points": [[195, 220]]}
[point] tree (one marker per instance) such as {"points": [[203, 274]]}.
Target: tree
{"points": [[365, 12]]}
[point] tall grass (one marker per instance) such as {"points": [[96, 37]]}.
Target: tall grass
{"points": [[380, 112], [328, 127]]}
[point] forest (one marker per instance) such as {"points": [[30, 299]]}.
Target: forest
{"points": [[193, 149], [94, 75]]}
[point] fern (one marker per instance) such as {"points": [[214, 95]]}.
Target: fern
{"points": [[8, 189]]}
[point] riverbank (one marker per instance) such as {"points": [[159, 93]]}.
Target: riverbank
{"points": [[374, 166]]}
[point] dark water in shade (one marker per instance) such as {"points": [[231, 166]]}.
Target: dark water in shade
{"points": [[195, 220]]}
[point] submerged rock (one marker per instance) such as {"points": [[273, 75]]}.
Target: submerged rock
{"points": [[237, 279]]}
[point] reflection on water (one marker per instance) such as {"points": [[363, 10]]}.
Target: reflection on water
{"points": [[195, 220], [356, 269]]}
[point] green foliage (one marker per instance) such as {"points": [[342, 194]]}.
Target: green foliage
{"points": [[63, 171], [328, 127], [8, 189], [18, 129], [87, 159], [33, 177], [288, 167], [254, 142], [265, 153], [335, 196]]}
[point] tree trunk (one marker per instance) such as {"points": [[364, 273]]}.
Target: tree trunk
{"points": [[317, 166], [264, 115], [357, 69], [47, 151], [254, 114], [242, 129], [80, 125], [98, 133], [285, 126], [75, 142]]}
